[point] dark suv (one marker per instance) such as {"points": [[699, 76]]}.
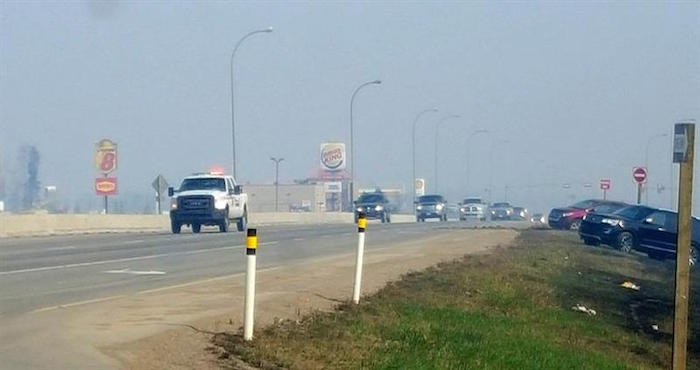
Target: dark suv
{"points": [[374, 206], [648, 230], [431, 206]]}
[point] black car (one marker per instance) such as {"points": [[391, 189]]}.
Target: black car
{"points": [[501, 211], [431, 206], [648, 230], [374, 206]]}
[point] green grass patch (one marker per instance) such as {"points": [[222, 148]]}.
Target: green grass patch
{"points": [[507, 310]]}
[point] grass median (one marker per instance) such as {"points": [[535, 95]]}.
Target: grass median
{"points": [[510, 309]]}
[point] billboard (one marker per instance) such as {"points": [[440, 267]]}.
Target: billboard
{"points": [[106, 186], [333, 156]]}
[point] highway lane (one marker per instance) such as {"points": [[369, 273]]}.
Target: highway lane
{"points": [[45, 272]]}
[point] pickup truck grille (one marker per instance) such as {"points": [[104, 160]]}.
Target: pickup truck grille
{"points": [[195, 203]]}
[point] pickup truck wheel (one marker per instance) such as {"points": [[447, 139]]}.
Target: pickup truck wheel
{"points": [[175, 227], [383, 218], [242, 222], [694, 255], [224, 225], [388, 218], [625, 241], [196, 228]]}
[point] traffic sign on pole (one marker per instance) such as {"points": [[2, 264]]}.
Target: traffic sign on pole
{"points": [[639, 174], [605, 184]]}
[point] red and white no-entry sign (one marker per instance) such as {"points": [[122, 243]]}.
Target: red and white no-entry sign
{"points": [[639, 174], [605, 184]]}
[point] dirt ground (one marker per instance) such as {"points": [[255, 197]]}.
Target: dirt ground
{"points": [[170, 328]]}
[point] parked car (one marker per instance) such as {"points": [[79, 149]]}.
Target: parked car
{"points": [[519, 213], [501, 211], [570, 217], [431, 206], [648, 230], [374, 206], [474, 208]]}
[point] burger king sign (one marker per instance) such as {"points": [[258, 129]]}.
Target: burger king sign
{"points": [[332, 156]]}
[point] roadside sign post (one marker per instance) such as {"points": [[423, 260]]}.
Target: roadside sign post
{"points": [[106, 163], [640, 177], [160, 186], [249, 309], [361, 227], [683, 153], [605, 186]]}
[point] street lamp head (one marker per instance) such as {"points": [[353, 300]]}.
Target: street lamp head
{"points": [[269, 29], [377, 82]]}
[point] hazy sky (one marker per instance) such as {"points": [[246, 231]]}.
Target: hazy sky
{"points": [[576, 88]]}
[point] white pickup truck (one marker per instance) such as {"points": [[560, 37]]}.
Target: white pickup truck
{"points": [[209, 200]]}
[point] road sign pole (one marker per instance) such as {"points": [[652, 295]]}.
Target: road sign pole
{"points": [[639, 193], [686, 133]]}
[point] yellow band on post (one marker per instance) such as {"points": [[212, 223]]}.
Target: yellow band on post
{"points": [[362, 223], [251, 242]]}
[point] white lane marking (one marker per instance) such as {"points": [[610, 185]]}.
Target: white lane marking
{"points": [[74, 304], [133, 242], [59, 248], [133, 272], [298, 239], [84, 264]]}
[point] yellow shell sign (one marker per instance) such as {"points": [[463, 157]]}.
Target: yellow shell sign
{"points": [[106, 156]]}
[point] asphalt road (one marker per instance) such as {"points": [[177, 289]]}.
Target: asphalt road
{"points": [[45, 272]]}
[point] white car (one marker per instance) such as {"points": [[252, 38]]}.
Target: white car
{"points": [[208, 199], [474, 208]]}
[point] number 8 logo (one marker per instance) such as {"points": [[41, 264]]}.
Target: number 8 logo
{"points": [[107, 163]]}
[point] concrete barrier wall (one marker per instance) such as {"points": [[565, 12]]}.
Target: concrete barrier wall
{"points": [[45, 224]]}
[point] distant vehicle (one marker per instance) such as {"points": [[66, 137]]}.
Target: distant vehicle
{"points": [[474, 208], [570, 217], [501, 211], [431, 206], [648, 230], [520, 213], [208, 199], [374, 206], [538, 219]]}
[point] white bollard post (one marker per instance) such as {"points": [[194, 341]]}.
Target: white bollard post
{"points": [[249, 313], [361, 226]]}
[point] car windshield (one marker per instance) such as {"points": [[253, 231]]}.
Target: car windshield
{"points": [[585, 204], [472, 200], [204, 183], [501, 205], [370, 198], [430, 199], [634, 212]]}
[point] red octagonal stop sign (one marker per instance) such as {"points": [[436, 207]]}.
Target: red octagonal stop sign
{"points": [[640, 174]]}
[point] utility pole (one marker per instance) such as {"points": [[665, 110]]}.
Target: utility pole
{"points": [[683, 153], [277, 180]]}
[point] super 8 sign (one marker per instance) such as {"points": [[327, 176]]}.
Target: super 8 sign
{"points": [[106, 156]]}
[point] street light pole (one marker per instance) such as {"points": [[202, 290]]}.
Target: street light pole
{"points": [[475, 133], [277, 180], [415, 122], [352, 136], [646, 164], [437, 131], [233, 116]]}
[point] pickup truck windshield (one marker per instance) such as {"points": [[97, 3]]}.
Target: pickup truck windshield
{"points": [[371, 198], [203, 184], [501, 205], [472, 201]]}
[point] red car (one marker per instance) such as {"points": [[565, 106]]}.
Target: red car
{"points": [[570, 217]]}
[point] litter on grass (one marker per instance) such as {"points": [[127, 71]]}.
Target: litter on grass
{"points": [[630, 285], [584, 309]]}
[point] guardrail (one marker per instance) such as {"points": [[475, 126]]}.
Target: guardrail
{"points": [[12, 225]]}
